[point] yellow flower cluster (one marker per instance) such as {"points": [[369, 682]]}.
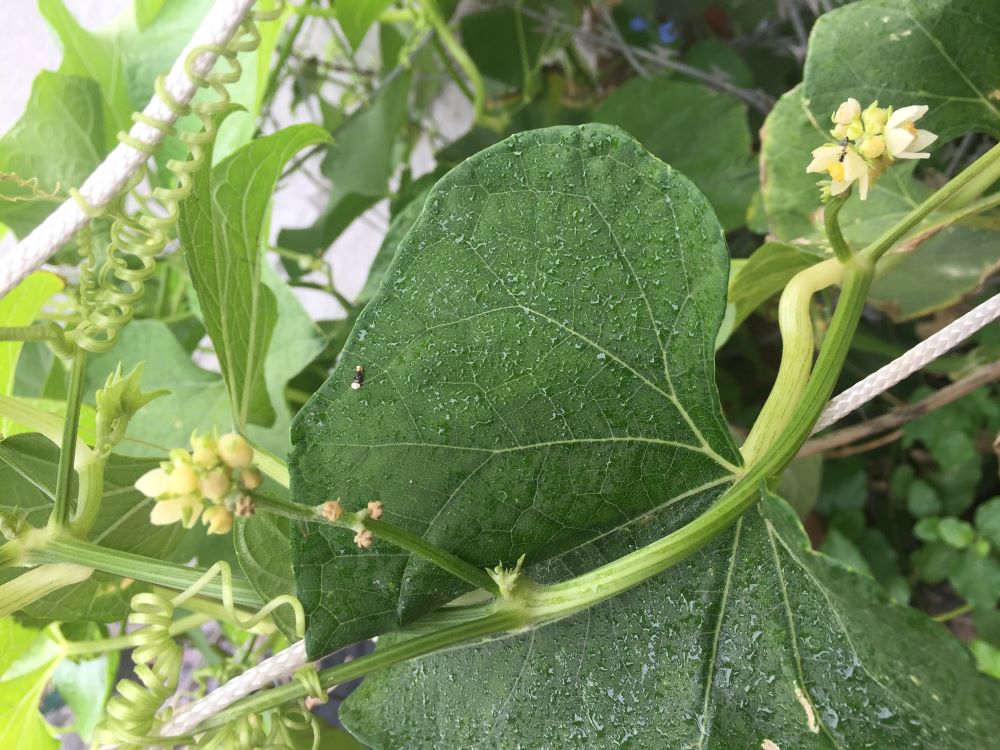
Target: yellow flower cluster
{"points": [[868, 142], [209, 481]]}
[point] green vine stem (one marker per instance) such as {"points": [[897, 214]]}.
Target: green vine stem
{"points": [[831, 223], [45, 546], [383, 530], [33, 584], [67, 450], [270, 465], [971, 177]]}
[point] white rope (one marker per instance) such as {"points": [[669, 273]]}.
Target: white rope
{"points": [[268, 671], [108, 180], [923, 353]]}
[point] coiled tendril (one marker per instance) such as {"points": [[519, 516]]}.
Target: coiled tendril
{"points": [[132, 714], [107, 295]]}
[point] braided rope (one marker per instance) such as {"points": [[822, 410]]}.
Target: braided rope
{"points": [[923, 353], [268, 671], [107, 182]]}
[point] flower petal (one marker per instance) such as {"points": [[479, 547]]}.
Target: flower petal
{"points": [[854, 166], [898, 140], [166, 512], [924, 139], [907, 114]]}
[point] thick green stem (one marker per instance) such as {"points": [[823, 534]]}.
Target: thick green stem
{"points": [[271, 466], [985, 165], [89, 494], [67, 448], [381, 529], [797, 345], [63, 548]]}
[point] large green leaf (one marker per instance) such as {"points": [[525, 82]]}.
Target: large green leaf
{"points": [[222, 227], [944, 53], [28, 473], [756, 641], [54, 146], [538, 370], [700, 132]]}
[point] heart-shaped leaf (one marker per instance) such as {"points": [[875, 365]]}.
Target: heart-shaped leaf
{"points": [[538, 370], [754, 642], [943, 53]]}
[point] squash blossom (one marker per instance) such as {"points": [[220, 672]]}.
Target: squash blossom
{"points": [[867, 142]]}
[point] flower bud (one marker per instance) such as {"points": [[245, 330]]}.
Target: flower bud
{"points": [[875, 118], [204, 458], [218, 519], [839, 132], [154, 483], [332, 510], [235, 451], [183, 479], [364, 538], [375, 509], [216, 484], [855, 130], [846, 112], [873, 147], [251, 478]]}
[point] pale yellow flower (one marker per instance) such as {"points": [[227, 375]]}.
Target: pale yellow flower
{"points": [[235, 451], [218, 519], [844, 166], [902, 139], [183, 509], [153, 483], [847, 112]]}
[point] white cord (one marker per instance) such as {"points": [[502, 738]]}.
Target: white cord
{"points": [[923, 353], [108, 180], [268, 671]]}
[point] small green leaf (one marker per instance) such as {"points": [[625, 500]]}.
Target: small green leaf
{"points": [[754, 638], [222, 228], [926, 529], [988, 520], [14, 641], [663, 114], [20, 307], [22, 686], [538, 370], [977, 579], [54, 146], [85, 686], [923, 499], [937, 52], [955, 532], [356, 17], [97, 56]]}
